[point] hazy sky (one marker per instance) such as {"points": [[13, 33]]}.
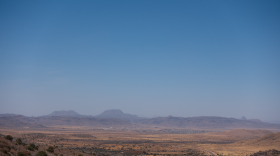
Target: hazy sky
{"points": [[149, 58]]}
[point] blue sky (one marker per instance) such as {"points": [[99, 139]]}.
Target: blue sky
{"points": [[149, 58]]}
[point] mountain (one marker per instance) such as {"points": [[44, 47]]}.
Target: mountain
{"points": [[257, 120], [69, 113], [79, 121], [115, 117], [207, 122], [15, 122], [7, 114], [38, 122], [118, 114]]}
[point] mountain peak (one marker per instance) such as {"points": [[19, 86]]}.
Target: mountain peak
{"points": [[113, 111], [116, 113], [64, 113]]}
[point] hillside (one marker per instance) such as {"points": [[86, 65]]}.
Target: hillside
{"points": [[244, 133], [267, 153], [117, 114], [28, 148], [14, 122], [272, 139], [34, 122], [207, 123]]}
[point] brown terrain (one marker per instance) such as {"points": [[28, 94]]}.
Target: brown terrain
{"points": [[111, 136]]}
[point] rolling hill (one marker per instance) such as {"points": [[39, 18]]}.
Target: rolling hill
{"points": [[14, 122], [207, 122], [272, 139]]}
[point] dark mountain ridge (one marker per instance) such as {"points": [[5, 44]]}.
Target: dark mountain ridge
{"points": [[116, 117], [207, 122], [15, 122], [78, 121], [8, 114], [69, 113], [20, 121], [117, 114]]}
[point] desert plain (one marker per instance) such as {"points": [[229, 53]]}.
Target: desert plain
{"points": [[72, 140]]}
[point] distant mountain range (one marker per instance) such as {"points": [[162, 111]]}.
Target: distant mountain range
{"points": [[112, 113], [65, 120], [7, 114], [115, 117], [69, 113], [16, 122], [117, 114], [205, 122]]}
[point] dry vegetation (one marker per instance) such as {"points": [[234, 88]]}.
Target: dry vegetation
{"points": [[94, 141]]}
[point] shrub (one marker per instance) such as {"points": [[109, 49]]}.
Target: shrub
{"points": [[50, 149], [24, 153], [9, 147], [5, 151], [33, 146], [29, 148], [9, 137], [19, 141], [80, 155], [41, 153], [20, 154]]}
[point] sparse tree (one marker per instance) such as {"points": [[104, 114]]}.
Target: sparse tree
{"points": [[33, 146], [9, 137], [50, 149], [24, 153], [19, 141], [29, 148]]}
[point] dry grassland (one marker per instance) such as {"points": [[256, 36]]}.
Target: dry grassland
{"points": [[82, 139]]}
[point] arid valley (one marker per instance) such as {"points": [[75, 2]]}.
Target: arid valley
{"points": [[116, 133]]}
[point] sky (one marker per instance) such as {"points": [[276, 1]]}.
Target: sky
{"points": [[149, 57]]}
